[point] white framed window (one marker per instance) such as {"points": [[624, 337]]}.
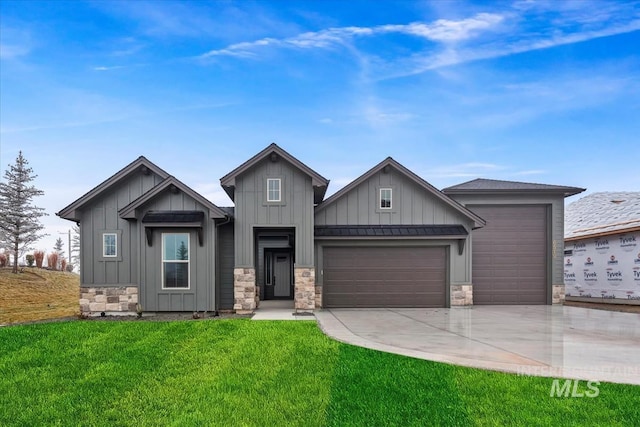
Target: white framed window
{"points": [[175, 261], [109, 245], [274, 190], [385, 198]]}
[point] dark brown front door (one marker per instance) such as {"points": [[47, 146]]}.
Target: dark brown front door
{"points": [[384, 277], [510, 255]]}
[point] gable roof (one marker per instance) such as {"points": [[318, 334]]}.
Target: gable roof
{"points": [[318, 182], [389, 162], [481, 185], [141, 163], [128, 212], [601, 214]]}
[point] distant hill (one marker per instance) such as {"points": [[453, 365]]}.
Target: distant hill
{"points": [[37, 294]]}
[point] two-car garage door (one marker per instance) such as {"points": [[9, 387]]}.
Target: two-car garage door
{"points": [[384, 277]]}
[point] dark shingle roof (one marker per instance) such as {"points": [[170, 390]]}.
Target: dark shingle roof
{"points": [[389, 230], [602, 213], [493, 185]]}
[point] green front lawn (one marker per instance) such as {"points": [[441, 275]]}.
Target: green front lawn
{"points": [[239, 372]]}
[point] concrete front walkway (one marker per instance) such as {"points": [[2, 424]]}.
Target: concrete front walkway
{"points": [[551, 341], [279, 310]]}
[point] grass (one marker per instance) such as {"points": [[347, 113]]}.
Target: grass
{"points": [[37, 294], [239, 372]]}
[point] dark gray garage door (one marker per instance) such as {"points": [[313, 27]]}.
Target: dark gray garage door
{"points": [[384, 277], [509, 255]]}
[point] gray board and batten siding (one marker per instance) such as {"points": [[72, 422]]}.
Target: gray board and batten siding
{"points": [[252, 210], [100, 215], [414, 202]]}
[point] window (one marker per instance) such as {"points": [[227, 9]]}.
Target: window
{"points": [[385, 198], [273, 190], [109, 245], [175, 260]]}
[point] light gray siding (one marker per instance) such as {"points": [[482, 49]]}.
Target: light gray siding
{"points": [[102, 216], [225, 266], [252, 210], [555, 202]]}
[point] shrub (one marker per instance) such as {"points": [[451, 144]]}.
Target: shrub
{"points": [[63, 265], [3, 260], [39, 256], [52, 261], [30, 260]]}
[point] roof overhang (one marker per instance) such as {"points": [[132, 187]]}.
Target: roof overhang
{"points": [[274, 153], [455, 232], [173, 185], [141, 164], [173, 219], [391, 163]]}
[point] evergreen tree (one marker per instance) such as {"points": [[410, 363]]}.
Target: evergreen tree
{"points": [[20, 224], [75, 247], [58, 247]]}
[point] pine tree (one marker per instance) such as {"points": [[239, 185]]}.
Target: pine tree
{"points": [[58, 248], [75, 247], [20, 224]]}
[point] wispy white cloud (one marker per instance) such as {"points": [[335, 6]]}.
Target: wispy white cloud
{"points": [[485, 35], [442, 30], [14, 43]]}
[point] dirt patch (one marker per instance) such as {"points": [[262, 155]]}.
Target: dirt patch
{"points": [[604, 306], [37, 294]]}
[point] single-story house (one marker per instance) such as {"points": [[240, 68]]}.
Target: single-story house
{"points": [[388, 239], [602, 248]]}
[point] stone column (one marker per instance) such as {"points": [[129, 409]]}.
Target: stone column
{"points": [[557, 294], [305, 289], [244, 290], [461, 295]]}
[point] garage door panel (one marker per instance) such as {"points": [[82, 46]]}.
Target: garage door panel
{"points": [[509, 255], [384, 277]]}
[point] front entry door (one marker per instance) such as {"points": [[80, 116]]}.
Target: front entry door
{"points": [[278, 266]]}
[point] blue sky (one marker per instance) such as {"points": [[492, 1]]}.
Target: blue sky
{"points": [[537, 91]]}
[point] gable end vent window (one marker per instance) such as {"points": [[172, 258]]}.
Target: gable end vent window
{"points": [[109, 245], [175, 260], [273, 190], [385, 198]]}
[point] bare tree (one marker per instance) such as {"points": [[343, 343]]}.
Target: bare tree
{"points": [[20, 224]]}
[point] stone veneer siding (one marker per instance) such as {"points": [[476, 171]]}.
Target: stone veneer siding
{"points": [[557, 294], [305, 288], [245, 295], [461, 295], [318, 296], [108, 299]]}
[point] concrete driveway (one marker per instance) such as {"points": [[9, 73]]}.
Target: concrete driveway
{"points": [[551, 341]]}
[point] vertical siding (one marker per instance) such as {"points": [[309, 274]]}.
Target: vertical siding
{"points": [[225, 266], [102, 214], [201, 295], [411, 204], [252, 210]]}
